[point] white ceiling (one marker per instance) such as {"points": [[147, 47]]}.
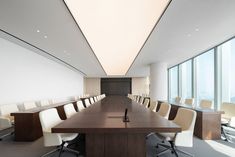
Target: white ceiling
{"points": [[187, 28]]}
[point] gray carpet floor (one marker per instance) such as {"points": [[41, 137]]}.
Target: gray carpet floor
{"points": [[219, 148]]}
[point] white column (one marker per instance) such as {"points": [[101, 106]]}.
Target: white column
{"points": [[158, 81]]}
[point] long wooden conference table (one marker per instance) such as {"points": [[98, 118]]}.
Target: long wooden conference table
{"points": [[107, 135]]}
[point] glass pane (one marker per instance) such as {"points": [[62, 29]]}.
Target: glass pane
{"points": [[173, 73], [228, 74], [186, 79], [205, 76]]}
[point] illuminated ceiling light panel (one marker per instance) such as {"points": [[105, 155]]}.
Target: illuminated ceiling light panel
{"points": [[116, 29]]}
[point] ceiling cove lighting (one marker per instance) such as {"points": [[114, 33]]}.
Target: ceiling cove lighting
{"points": [[116, 29]]}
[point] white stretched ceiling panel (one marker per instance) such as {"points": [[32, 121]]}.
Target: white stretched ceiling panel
{"points": [[116, 29]]}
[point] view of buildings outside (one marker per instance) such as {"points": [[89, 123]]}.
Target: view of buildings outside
{"points": [[227, 51], [205, 76]]}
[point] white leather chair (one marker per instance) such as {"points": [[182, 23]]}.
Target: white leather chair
{"points": [[29, 105], [50, 118], [189, 101], [178, 99], [153, 106], [228, 121], [229, 112], [92, 100], [6, 120], [206, 104], [146, 102], [87, 102], [164, 110], [137, 98], [44, 103], [80, 105], [185, 118], [69, 110], [96, 99], [141, 100]]}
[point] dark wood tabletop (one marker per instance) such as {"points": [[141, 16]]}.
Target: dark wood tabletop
{"points": [[105, 132], [105, 116]]}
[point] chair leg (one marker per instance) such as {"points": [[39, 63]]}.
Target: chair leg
{"points": [[168, 148], [51, 152], [62, 148], [8, 134], [71, 150], [152, 133], [173, 148], [164, 151], [183, 152], [223, 133]]}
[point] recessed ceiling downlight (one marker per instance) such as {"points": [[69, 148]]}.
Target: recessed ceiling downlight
{"points": [[116, 29]]}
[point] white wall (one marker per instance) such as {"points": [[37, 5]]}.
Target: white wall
{"points": [[26, 76], [140, 85], [92, 86]]}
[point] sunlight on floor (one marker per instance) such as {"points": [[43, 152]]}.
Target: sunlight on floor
{"points": [[221, 147]]}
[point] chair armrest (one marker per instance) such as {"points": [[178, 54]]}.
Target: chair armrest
{"points": [[5, 122]]}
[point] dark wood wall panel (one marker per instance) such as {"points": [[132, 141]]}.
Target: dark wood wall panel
{"points": [[116, 86]]}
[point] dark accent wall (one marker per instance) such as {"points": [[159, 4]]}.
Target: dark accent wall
{"points": [[115, 86]]}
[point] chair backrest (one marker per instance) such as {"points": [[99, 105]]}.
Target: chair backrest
{"points": [[141, 100], [80, 105], [87, 102], [178, 99], [207, 104], [48, 119], [189, 101], [44, 103], [6, 110], [164, 110], [92, 100], [153, 106], [185, 118], [138, 98], [229, 110], [69, 110], [96, 99], [29, 105], [146, 102]]}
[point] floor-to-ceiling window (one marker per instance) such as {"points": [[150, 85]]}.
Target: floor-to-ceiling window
{"points": [[185, 85], [227, 51], [205, 76], [173, 82], [209, 76]]}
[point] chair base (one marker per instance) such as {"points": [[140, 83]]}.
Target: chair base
{"points": [[150, 134], [61, 149], [173, 150], [5, 135]]}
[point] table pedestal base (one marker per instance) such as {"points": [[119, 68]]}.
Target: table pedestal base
{"points": [[116, 145]]}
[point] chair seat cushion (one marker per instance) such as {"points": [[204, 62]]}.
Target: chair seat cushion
{"points": [[68, 136], [166, 136]]}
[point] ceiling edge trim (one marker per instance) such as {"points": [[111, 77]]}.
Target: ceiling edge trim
{"points": [[84, 36], [149, 35], [58, 60]]}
